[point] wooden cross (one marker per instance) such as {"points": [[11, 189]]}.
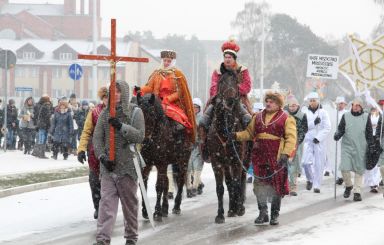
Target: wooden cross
{"points": [[113, 59]]}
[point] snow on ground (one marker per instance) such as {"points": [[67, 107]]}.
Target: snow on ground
{"points": [[15, 162], [60, 211]]}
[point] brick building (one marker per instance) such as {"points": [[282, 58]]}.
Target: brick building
{"points": [[48, 21]]}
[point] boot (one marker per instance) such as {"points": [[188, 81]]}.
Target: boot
{"points": [[357, 197], [275, 210], [189, 193], [194, 192], [262, 218], [309, 185], [339, 181], [96, 214], [200, 188], [347, 191]]}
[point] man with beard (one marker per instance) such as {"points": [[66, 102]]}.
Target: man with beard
{"points": [[274, 134]]}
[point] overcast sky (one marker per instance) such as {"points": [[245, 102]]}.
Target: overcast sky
{"points": [[210, 19]]}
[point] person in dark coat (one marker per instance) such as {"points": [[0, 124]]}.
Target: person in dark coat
{"points": [[61, 130], [80, 117], [43, 112], [12, 124]]}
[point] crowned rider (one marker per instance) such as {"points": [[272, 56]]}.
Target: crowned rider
{"points": [[170, 85]]}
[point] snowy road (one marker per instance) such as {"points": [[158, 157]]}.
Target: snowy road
{"points": [[63, 215]]}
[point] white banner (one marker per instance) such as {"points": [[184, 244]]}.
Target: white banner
{"points": [[322, 66]]}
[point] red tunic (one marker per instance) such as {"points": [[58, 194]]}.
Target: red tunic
{"points": [[265, 151], [244, 86]]}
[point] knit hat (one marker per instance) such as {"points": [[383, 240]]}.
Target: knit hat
{"points": [[340, 99], [11, 101], [313, 95], [291, 100], [358, 101], [168, 54], [72, 96], [84, 103], [230, 47], [275, 96]]}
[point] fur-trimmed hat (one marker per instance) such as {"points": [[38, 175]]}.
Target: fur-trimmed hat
{"points": [[102, 92], [230, 47], [168, 54], [275, 96]]}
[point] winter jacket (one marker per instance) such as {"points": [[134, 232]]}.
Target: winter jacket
{"points": [[131, 132], [244, 86], [321, 130], [80, 116], [301, 125], [27, 115], [12, 116], [62, 127], [43, 113]]}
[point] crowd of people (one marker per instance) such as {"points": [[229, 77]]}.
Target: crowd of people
{"points": [[289, 140]]}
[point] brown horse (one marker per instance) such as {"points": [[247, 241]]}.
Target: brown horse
{"points": [[226, 155], [163, 145]]}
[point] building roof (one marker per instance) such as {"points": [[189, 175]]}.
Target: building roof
{"points": [[35, 9], [49, 46]]}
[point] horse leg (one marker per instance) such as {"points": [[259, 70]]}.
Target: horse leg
{"points": [[240, 209], [180, 184], [145, 174], [218, 171], [161, 174], [229, 181], [165, 206]]}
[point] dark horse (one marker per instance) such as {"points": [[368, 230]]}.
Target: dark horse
{"points": [[227, 156], [163, 145]]}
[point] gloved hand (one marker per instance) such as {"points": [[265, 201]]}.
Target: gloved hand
{"points": [[231, 137], [317, 120], [136, 89], [108, 164], [81, 157], [115, 122], [336, 136], [283, 161], [316, 141]]}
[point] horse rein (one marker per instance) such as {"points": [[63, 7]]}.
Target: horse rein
{"points": [[241, 162]]}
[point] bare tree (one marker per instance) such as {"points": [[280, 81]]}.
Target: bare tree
{"points": [[248, 24]]}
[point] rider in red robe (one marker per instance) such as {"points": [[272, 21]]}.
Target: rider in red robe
{"points": [[274, 135]]}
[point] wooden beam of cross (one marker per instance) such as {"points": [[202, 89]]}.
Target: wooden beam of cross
{"points": [[113, 59]]}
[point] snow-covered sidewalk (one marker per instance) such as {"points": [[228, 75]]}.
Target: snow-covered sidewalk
{"points": [[15, 162]]}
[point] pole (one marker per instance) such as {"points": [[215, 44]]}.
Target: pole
{"points": [[262, 59], [197, 75], [337, 123], [6, 99], [193, 73], [94, 50], [206, 80]]}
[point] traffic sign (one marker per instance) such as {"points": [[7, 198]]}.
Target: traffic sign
{"points": [[75, 72], [7, 59]]}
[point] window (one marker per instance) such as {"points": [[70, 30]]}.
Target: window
{"points": [[65, 56], [33, 71], [57, 72], [29, 55], [19, 71]]}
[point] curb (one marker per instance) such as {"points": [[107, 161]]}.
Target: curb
{"points": [[43, 185]]}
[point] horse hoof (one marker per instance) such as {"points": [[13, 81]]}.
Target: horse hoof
{"points": [[144, 214], [241, 211], [157, 217], [231, 213], [176, 211], [219, 219]]}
